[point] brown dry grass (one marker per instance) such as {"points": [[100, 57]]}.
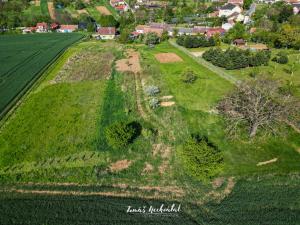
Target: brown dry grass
{"points": [[168, 58], [120, 165], [86, 65], [266, 162], [103, 10], [166, 104], [51, 10], [82, 11], [130, 64]]}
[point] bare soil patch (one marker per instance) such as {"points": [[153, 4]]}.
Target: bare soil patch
{"points": [[120, 165], [166, 104], [147, 169], [218, 182], [197, 54], [103, 10], [51, 10], [267, 162], [82, 11], [130, 64], [167, 97], [168, 58], [37, 3]]}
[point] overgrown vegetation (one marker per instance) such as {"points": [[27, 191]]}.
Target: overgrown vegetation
{"points": [[121, 134], [201, 158]]}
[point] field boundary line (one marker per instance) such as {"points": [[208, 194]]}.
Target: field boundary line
{"points": [[206, 64]]}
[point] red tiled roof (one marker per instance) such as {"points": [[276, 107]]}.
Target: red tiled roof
{"points": [[43, 24], [107, 31], [68, 27]]}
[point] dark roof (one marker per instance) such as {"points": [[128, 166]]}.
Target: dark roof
{"points": [[228, 6]]}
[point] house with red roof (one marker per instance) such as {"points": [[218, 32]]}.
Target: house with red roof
{"points": [[67, 28], [236, 2], [106, 33], [214, 30], [41, 27], [54, 26]]}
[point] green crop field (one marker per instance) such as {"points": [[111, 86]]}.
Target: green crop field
{"points": [[24, 57]]}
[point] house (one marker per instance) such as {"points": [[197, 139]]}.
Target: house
{"points": [[239, 42], [185, 31], [140, 28], [41, 27], [54, 26], [107, 33], [229, 9], [296, 8], [227, 26], [28, 30], [214, 31], [158, 31], [236, 2], [67, 28]]}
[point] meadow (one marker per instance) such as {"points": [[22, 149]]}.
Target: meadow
{"points": [[57, 135], [23, 59]]}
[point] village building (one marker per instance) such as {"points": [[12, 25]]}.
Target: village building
{"points": [[236, 2], [67, 28], [106, 33], [41, 27], [229, 9], [296, 8]]}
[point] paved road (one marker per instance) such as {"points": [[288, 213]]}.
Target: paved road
{"points": [[206, 64]]}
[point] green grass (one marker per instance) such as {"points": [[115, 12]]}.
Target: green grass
{"points": [[194, 102], [44, 7], [24, 57]]}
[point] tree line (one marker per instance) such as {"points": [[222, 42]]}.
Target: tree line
{"points": [[234, 58], [195, 41]]}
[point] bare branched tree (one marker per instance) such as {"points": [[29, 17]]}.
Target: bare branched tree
{"points": [[256, 104]]}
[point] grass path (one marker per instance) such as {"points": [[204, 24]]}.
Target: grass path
{"points": [[206, 64]]}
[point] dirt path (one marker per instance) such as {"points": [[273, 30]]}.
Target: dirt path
{"points": [[103, 10], [51, 10]]}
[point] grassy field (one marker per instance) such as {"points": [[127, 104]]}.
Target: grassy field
{"points": [[57, 136], [195, 102], [24, 57]]}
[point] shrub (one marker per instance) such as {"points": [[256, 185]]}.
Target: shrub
{"points": [[154, 103], [151, 39], [189, 76], [200, 158], [152, 90], [120, 134], [281, 58]]}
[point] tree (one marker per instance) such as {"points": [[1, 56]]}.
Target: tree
{"points": [[108, 21], [79, 5], [151, 39], [281, 58], [257, 104], [201, 158], [236, 32], [247, 4], [189, 76], [120, 134]]}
